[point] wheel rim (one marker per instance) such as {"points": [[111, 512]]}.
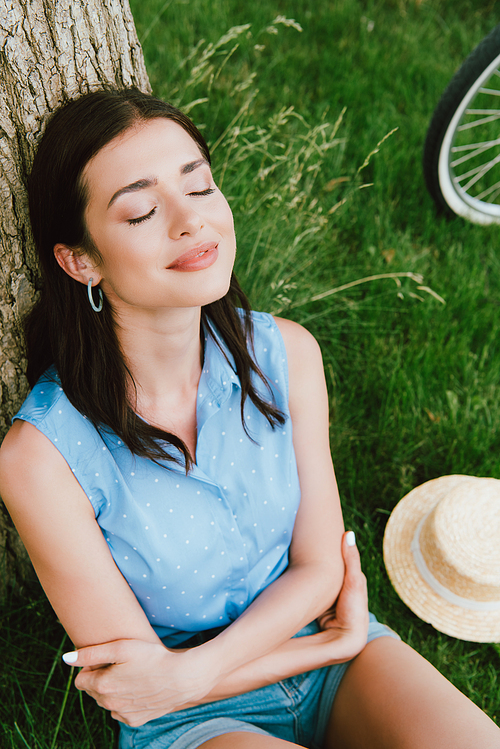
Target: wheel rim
{"points": [[469, 164]]}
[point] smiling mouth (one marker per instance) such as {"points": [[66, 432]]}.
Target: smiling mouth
{"points": [[198, 258]]}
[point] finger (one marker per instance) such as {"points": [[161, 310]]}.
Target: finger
{"points": [[88, 680], [97, 655], [353, 575], [350, 554], [103, 687], [354, 578]]}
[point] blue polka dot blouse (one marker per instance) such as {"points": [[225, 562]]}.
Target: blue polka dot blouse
{"points": [[196, 549]]}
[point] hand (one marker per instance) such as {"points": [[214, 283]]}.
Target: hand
{"points": [[348, 617], [139, 681]]}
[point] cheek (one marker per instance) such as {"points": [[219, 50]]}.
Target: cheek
{"points": [[121, 248], [224, 215]]}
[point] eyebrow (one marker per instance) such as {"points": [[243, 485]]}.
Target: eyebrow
{"points": [[193, 165], [142, 184]]}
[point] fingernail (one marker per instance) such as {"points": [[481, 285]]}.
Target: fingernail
{"points": [[350, 538], [70, 658]]}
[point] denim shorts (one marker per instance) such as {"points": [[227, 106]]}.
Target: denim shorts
{"points": [[296, 709]]}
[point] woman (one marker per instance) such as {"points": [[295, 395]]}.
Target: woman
{"points": [[163, 483]]}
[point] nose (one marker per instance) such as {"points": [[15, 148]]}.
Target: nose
{"points": [[184, 218]]}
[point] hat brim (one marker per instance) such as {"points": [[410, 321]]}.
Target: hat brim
{"points": [[465, 624]]}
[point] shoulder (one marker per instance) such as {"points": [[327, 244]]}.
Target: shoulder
{"points": [[293, 349], [305, 364], [48, 408], [298, 341], [46, 396], [302, 349], [28, 459], [50, 439], [27, 454], [27, 436], [19, 441]]}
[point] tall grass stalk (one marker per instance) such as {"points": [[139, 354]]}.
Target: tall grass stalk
{"points": [[63, 708]]}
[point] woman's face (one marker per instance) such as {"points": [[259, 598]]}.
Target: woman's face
{"points": [[163, 229]]}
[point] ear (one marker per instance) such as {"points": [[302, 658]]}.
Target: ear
{"points": [[76, 265]]}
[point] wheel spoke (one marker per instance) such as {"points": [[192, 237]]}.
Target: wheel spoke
{"points": [[492, 91], [483, 121], [486, 144], [479, 150], [471, 173], [482, 111], [489, 191], [480, 172]]}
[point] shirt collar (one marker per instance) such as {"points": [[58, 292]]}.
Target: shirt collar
{"points": [[219, 372]]}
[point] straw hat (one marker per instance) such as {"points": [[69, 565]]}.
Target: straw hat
{"points": [[442, 554]]}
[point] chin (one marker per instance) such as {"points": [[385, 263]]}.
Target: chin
{"points": [[210, 298], [214, 292]]}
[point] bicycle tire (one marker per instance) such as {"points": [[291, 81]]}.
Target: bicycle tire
{"points": [[478, 202]]}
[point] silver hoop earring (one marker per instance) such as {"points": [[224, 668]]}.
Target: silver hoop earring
{"points": [[91, 298]]}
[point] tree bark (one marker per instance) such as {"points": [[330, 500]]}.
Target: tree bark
{"points": [[50, 50]]}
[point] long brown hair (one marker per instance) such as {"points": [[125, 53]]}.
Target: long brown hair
{"points": [[62, 329]]}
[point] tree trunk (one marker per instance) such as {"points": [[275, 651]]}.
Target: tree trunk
{"points": [[50, 50]]}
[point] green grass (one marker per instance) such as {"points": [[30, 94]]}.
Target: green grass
{"points": [[39, 708], [413, 382]]}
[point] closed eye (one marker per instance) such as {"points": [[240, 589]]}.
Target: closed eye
{"points": [[208, 191], [141, 219]]}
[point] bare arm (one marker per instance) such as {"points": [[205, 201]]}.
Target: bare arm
{"points": [[69, 553], [89, 594], [343, 637]]}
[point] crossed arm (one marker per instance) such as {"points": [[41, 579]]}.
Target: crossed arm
{"points": [[126, 667], [148, 667]]}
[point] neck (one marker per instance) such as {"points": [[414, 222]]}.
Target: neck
{"points": [[163, 354]]}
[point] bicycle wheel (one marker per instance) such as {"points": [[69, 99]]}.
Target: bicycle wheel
{"points": [[461, 157]]}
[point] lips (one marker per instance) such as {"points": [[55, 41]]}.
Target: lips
{"points": [[198, 258]]}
